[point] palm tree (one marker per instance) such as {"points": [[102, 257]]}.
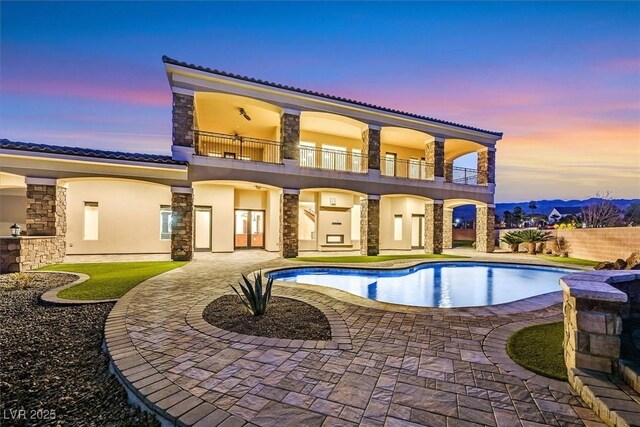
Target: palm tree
{"points": [[513, 239], [533, 237], [532, 207]]}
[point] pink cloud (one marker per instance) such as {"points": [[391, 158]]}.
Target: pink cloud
{"points": [[621, 65]]}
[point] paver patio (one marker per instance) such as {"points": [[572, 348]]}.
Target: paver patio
{"points": [[428, 366]]}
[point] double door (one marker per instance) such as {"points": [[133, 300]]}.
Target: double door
{"points": [[249, 229]]}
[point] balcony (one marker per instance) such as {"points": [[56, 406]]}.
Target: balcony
{"points": [[335, 160], [464, 176], [213, 144], [403, 168]]}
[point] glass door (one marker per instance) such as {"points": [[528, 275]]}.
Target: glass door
{"points": [[202, 228], [249, 229], [417, 231]]}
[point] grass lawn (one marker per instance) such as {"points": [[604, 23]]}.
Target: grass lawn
{"points": [[571, 261], [377, 258], [110, 280], [539, 349]]}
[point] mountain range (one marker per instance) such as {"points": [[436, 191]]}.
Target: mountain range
{"points": [[543, 206]]}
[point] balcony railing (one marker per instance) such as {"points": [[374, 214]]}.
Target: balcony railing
{"points": [[336, 160], [237, 147], [403, 168], [464, 176]]}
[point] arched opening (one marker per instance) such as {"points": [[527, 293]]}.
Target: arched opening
{"points": [[329, 220], [402, 153], [460, 223], [461, 161]]}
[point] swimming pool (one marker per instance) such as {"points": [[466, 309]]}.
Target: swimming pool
{"points": [[441, 284]]}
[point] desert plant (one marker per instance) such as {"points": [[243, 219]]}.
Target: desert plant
{"points": [[513, 239], [560, 246], [533, 237], [254, 299]]}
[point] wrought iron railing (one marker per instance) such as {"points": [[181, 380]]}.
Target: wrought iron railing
{"points": [[403, 168], [213, 144], [336, 160], [464, 176]]}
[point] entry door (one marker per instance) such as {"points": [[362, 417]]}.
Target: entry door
{"points": [[417, 231], [202, 228], [249, 229]]}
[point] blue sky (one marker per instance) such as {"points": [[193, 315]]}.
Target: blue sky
{"points": [[561, 80]]}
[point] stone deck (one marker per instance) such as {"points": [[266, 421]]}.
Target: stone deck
{"points": [[387, 366]]}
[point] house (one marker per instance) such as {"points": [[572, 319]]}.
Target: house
{"points": [[558, 213], [254, 165]]}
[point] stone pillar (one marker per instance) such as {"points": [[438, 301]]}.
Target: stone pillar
{"points": [[434, 158], [290, 134], [289, 218], [181, 223], [487, 166], [371, 146], [448, 171], [447, 228], [183, 120], [370, 225], [485, 224], [46, 207], [433, 226]]}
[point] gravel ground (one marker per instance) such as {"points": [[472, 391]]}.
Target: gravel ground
{"points": [[285, 318], [52, 365]]}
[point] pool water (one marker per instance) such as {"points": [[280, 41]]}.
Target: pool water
{"points": [[448, 284]]}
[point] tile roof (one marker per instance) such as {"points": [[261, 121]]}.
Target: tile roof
{"points": [[171, 61], [88, 152]]}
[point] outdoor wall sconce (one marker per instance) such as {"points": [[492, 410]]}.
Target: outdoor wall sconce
{"points": [[332, 201], [15, 230]]}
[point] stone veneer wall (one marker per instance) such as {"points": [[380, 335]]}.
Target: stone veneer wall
{"points": [[485, 225], [448, 172], [19, 254], [369, 226], [486, 167], [433, 227], [183, 119], [46, 210], [434, 158], [371, 147], [290, 136], [447, 229], [182, 226], [289, 217]]}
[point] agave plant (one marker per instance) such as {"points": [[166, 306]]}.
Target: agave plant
{"points": [[253, 297], [533, 237], [513, 239], [560, 247]]}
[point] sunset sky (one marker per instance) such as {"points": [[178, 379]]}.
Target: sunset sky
{"points": [[561, 80]]}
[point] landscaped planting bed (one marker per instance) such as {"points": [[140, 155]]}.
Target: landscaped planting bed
{"points": [[285, 318], [52, 365]]}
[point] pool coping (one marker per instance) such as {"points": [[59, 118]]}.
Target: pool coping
{"points": [[533, 303]]}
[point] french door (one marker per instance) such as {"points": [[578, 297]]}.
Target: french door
{"points": [[417, 231], [249, 229]]}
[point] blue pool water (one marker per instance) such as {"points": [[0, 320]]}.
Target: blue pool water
{"points": [[446, 284]]}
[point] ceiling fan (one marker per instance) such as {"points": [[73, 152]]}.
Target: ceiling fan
{"points": [[244, 114]]}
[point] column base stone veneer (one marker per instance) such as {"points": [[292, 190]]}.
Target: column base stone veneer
{"points": [[182, 224], [433, 227], [485, 225], [370, 225], [289, 218]]}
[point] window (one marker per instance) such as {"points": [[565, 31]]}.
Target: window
{"points": [[390, 164], [356, 160], [397, 227], [307, 154], [90, 221], [165, 222], [334, 157]]}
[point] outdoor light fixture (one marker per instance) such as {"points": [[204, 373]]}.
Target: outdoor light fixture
{"points": [[15, 230], [244, 114]]}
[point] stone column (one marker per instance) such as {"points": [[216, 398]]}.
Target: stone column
{"points": [[371, 146], [290, 134], [448, 171], [289, 218], [434, 157], [183, 120], [487, 166], [447, 228], [433, 226], [181, 223], [370, 225], [485, 224], [46, 207]]}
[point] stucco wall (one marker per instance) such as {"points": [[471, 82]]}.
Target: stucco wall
{"points": [[391, 206], [221, 199], [128, 217], [13, 209]]}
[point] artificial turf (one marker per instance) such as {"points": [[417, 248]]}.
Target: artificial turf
{"points": [[110, 280], [377, 258], [571, 261], [539, 349]]}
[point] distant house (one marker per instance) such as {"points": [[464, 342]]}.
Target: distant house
{"points": [[557, 214]]}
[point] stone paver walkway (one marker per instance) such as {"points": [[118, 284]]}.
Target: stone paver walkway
{"points": [[393, 368]]}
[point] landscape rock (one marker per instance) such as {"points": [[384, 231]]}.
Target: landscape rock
{"points": [[619, 264], [604, 265], [633, 262]]}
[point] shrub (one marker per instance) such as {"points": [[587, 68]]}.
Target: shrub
{"points": [[560, 247], [533, 237], [513, 239], [254, 299]]}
